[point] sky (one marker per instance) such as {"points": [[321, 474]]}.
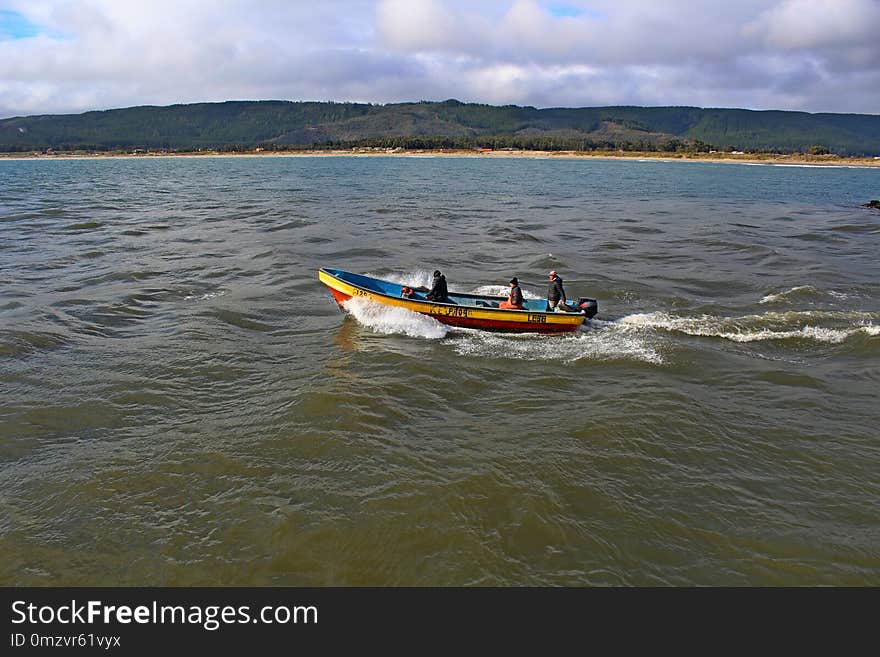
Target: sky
{"points": [[66, 56]]}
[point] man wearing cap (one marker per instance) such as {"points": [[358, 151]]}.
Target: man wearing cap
{"points": [[515, 299], [438, 290], [555, 293]]}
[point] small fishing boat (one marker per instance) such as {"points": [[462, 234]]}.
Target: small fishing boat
{"points": [[466, 310]]}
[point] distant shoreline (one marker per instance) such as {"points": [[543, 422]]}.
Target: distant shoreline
{"points": [[742, 158]]}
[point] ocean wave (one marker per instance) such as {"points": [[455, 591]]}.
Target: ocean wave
{"points": [[799, 291], [768, 326], [241, 320], [18, 343], [817, 333]]}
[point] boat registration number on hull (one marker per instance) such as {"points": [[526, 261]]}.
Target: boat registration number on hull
{"points": [[537, 319], [449, 311]]}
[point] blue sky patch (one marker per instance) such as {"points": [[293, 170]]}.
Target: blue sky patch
{"points": [[15, 26], [571, 11]]}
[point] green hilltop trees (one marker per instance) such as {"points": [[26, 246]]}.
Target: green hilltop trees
{"points": [[282, 125]]}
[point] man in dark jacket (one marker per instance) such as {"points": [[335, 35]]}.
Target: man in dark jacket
{"points": [[438, 291], [555, 293]]}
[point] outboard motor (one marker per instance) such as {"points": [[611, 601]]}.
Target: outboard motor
{"points": [[588, 306]]}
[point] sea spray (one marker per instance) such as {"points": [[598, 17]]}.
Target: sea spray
{"points": [[416, 278], [391, 320], [501, 291]]}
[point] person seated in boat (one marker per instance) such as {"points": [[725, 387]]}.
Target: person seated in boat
{"points": [[438, 291], [555, 293], [515, 298]]}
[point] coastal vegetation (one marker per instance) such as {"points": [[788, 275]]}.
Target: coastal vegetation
{"points": [[281, 126]]}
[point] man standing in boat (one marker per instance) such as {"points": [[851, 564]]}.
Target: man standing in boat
{"points": [[438, 291], [555, 293]]}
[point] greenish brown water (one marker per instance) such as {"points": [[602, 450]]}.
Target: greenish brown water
{"points": [[182, 403]]}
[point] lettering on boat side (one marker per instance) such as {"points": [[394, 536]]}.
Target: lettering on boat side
{"points": [[537, 319], [449, 311], [361, 293]]}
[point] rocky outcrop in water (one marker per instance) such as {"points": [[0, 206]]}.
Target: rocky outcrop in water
{"points": [[873, 204]]}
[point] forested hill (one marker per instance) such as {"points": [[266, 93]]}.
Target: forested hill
{"points": [[448, 124]]}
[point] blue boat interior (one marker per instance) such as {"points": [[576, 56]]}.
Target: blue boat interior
{"points": [[395, 290]]}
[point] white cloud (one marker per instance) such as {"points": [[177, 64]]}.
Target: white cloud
{"points": [[814, 55], [806, 24], [419, 25]]}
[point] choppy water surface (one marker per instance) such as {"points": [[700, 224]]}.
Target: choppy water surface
{"points": [[181, 402]]}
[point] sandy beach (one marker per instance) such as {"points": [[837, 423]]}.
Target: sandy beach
{"points": [[740, 158]]}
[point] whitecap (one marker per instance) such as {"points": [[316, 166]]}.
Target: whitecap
{"points": [[800, 290], [205, 296]]}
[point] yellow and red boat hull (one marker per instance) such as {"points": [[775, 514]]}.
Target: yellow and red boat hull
{"points": [[467, 316]]}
